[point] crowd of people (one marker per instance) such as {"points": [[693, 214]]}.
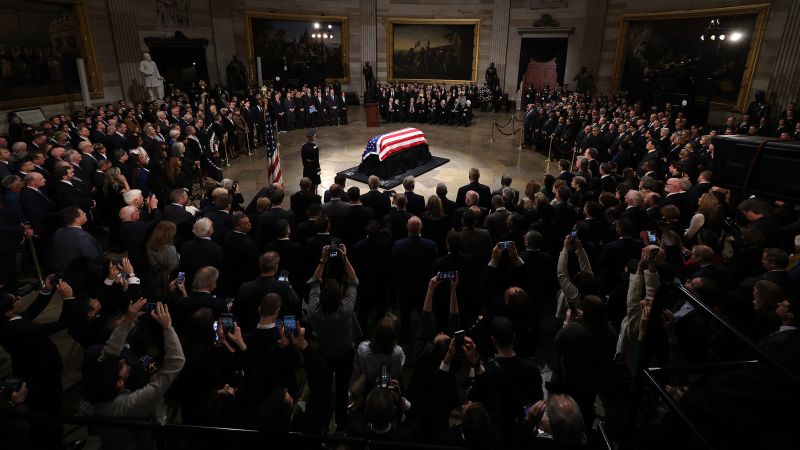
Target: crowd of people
{"points": [[203, 310], [431, 103]]}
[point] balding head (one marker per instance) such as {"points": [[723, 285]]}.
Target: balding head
{"points": [[414, 226], [205, 279], [633, 198], [85, 147], [564, 420], [129, 214], [471, 198]]}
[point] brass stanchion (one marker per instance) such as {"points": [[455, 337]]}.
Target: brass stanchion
{"points": [[35, 260], [549, 155], [494, 124]]}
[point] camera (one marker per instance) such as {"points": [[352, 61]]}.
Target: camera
{"points": [[12, 384]]}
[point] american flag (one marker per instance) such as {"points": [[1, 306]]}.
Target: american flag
{"points": [[385, 145], [274, 174]]}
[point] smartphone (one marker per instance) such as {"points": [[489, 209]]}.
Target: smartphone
{"points": [[289, 325], [651, 237], [116, 261], [283, 276], [505, 244], [215, 327], [149, 306], [573, 233], [227, 322], [446, 275], [55, 278], [459, 337], [12, 384], [333, 253], [181, 277]]}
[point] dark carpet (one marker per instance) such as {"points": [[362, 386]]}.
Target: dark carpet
{"points": [[396, 180]]}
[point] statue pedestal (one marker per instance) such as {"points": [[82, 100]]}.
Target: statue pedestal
{"points": [[372, 114]]}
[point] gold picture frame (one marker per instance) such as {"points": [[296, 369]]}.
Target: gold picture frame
{"points": [[85, 44], [342, 21], [760, 12], [394, 73]]}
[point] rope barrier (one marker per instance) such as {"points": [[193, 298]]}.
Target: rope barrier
{"points": [[503, 126], [506, 134]]}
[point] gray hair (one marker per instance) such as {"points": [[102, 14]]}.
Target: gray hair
{"points": [[408, 183], [565, 419], [203, 228], [205, 277]]}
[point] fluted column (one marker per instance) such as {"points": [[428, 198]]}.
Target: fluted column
{"points": [[369, 37], [224, 43], [127, 47], [499, 51], [592, 43], [784, 86]]}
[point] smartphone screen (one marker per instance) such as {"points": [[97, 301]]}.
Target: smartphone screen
{"points": [[227, 322], [215, 326], [289, 325], [573, 233], [283, 276], [651, 236], [505, 244], [459, 337], [181, 277]]}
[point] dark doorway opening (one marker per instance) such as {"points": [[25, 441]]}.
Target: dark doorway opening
{"points": [[543, 50], [181, 61]]}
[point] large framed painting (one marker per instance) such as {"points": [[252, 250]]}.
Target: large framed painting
{"points": [[39, 45], [428, 50], [707, 55], [298, 48]]}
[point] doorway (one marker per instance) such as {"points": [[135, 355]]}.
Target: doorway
{"points": [[180, 61], [547, 58]]}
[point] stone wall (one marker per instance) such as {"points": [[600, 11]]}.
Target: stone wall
{"points": [[592, 28]]}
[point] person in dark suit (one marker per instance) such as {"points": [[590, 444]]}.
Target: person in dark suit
{"points": [[290, 253], [335, 210], [497, 221], [411, 261], [608, 182], [220, 214], [240, 253], [88, 161], [307, 228], [378, 201], [204, 283], [201, 251], [135, 232], [67, 193], [267, 220], [118, 141], [177, 213], [416, 202], [565, 174], [448, 206], [302, 199], [310, 156], [71, 241], [356, 218], [34, 356], [615, 255], [678, 197], [484, 193], [250, 294], [5, 163], [339, 180], [37, 206], [775, 262], [634, 211], [395, 221]]}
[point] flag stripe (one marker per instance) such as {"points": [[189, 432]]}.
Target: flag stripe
{"points": [[385, 145]]}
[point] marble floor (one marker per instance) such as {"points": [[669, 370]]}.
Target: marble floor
{"points": [[341, 148]]}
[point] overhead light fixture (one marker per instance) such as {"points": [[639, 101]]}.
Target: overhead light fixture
{"points": [[713, 37], [735, 36], [316, 25], [721, 37], [330, 27], [702, 37]]}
